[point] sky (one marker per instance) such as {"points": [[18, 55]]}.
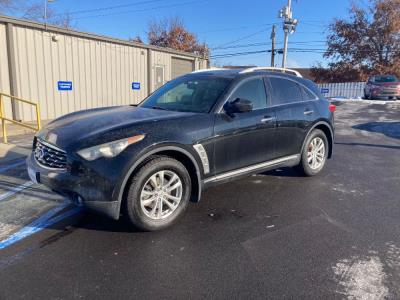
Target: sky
{"points": [[227, 26]]}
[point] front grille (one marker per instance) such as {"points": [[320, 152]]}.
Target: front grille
{"points": [[50, 156]]}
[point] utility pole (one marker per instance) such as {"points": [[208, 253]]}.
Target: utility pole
{"points": [[273, 38], [289, 27]]}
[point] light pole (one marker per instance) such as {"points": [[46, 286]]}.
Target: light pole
{"points": [[289, 27], [46, 2]]}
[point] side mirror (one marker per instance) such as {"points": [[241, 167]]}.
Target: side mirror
{"points": [[238, 106]]}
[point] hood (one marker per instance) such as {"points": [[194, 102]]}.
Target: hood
{"points": [[83, 125]]}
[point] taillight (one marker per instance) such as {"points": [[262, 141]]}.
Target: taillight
{"points": [[332, 108]]}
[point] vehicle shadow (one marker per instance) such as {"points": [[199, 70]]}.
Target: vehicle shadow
{"points": [[390, 129], [283, 172], [97, 222]]}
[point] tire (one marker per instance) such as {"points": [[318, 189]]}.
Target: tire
{"points": [[142, 202], [310, 169]]}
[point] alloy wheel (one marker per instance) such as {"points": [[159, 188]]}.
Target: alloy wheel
{"points": [[316, 153], [161, 194]]}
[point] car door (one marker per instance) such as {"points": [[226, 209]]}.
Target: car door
{"points": [[245, 139], [293, 115]]}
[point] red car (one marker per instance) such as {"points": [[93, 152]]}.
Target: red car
{"points": [[382, 86]]}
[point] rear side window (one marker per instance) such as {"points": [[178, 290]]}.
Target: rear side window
{"points": [[286, 91], [252, 90], [307, 94]]}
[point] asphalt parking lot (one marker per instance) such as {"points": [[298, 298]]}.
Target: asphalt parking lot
{"points": [[274, 235]]}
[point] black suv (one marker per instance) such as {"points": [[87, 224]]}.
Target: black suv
{"points": [[148, 161]]}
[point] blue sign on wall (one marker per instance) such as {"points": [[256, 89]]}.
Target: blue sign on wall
{"points": [[65, 85], [135, 85], [325, 91]]}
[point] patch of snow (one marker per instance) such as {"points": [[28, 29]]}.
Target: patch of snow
{"points": [[360, 100], [362, 278]]}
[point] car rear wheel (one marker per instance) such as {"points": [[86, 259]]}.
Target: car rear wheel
{"points": [[158, 194], [315, 153]]}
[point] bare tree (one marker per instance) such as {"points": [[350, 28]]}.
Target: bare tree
{"points": [[172, 33], [35, 12], [368, 42], [136, 39]]}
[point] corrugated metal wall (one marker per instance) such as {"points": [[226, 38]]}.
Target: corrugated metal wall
{"points": [[161, 59], [4, 72], [101, 71]]}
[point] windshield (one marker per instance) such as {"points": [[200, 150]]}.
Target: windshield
{"points": [[382, 79], [188, 94]]}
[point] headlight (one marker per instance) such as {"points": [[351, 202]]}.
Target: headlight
{"points": [[111, 149]]}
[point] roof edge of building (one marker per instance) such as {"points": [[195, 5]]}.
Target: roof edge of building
{"points": [[93, 36]]}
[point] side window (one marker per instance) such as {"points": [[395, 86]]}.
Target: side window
{"points": [[286, 91], [307, 94], [252, 90]]}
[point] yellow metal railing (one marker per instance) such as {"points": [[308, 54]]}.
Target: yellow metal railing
{"points": [[4, 118]]}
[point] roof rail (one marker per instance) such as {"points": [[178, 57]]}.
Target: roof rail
{"points": [[272, 69], [206, 70]]}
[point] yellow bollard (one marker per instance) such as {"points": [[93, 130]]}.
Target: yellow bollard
{"points": [[39, 123], [3, 122]]}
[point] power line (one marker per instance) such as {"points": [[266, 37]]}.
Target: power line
{"points": [[264, 44], [243, 37], [236, 28], [295, 50], [239, 54], [76, 12], [142, 10]]}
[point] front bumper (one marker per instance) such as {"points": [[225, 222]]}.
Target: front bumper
{"points": [[386, 93], [81, 185]]}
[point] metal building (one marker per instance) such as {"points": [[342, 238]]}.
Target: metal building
{"points": [[67, 70]]}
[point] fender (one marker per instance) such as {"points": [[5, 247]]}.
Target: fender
{"points": [[147, 155], [331, 139]]}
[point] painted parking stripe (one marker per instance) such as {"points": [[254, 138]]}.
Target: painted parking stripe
{"points": [[12, 166], [12, 191], [46, 220]]}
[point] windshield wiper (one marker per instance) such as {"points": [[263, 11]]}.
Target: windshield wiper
{"points": [[159, 107]]}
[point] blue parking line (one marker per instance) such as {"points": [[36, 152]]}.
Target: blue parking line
{"points": [[12, 166], [12, 191], [46, 220]]}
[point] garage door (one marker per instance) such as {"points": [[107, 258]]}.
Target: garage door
{"points": [[181, 67]]}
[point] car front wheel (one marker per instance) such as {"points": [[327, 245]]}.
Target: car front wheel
{"points": [[315, 153], [158, 194]]}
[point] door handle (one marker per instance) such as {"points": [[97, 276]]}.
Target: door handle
{"points": [[308, 112], [267, 119]]}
